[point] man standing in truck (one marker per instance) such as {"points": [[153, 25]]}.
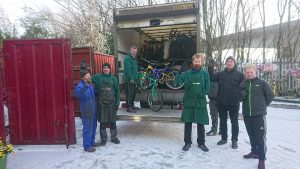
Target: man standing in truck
{"points": [[108, 101], [196, 86], [130, 78]]}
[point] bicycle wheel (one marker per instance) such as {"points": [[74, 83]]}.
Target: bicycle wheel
{"points": [[170, 82], [144, 82], [296, 73], [285, 72], [155, 99]]}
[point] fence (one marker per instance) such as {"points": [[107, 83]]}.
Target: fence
{"points": [[282, 74]]}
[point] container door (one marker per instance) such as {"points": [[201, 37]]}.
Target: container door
{"points": [[38, 83], [2, 117]]}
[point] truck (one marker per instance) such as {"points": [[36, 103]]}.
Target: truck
{"points": [[163, 33]]}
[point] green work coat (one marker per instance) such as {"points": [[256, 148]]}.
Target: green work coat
{"points": [[107, 112], [196, 86], [130, 68]]}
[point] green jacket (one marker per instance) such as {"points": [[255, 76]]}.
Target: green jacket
{"points": [[96, 79], [130, 68], [196, 86]]}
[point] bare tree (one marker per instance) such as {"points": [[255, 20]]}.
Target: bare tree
{"points": [[281, 7], [262, 12]]}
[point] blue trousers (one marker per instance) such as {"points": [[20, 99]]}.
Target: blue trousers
{"points": [[89, 130]]}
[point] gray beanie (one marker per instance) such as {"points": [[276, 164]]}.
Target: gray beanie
{"points": [[230, 57]]}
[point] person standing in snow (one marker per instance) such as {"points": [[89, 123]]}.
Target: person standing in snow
{"points": [[108, 101], [196, 86], [229, 98], [259, 95], [212, 95], [85, 92], [130, 78]]}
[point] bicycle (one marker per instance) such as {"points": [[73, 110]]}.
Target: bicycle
{"points": [[164, 75], [294, 72], [154, 96]]}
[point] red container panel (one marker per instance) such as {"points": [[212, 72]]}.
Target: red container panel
{"points": [[2, 119], [39, 91], [100, 59]]}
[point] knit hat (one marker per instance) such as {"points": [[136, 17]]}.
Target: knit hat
{"points": [[83, 73], [230, 57], [106, 65]]}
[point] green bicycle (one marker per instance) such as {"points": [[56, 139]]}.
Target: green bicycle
{"points": [[154, 97]]}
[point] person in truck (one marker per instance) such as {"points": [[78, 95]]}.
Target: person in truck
{"points": [[196, 86], [130, 78], [108, 101], [85, 92], [259, 95]]}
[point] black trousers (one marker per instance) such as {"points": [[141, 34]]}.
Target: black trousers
{"points": [[112, 125], [223, 115], [256, 129], [130, 92], [188, 133]]}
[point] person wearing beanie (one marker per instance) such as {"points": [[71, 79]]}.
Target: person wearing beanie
{"points": [[86, 94], [130, 78], [196, 86], [257, 97], [229, 98], [108, 101]]}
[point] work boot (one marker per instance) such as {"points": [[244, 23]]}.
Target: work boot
{"points": [[90, 150], [103, 136], [113, 135], [203, 147], [96, 144], [130, 110], [186, 147], [251, 155], [135, 108], [211, 133], [261, 164], [221, 142], [234, 144]]}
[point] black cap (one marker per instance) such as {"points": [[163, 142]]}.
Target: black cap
{"points": [[106, 65]]}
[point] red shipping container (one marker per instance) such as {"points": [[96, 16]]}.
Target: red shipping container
{"points": [[100, 59], [39, 85], [2, 119]]}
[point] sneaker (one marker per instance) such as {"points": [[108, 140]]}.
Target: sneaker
{"points": [[261, 164], [221, 142], [116, 141], [96, 144], [186, 147], [130, 110], [211, 133], [90, 150], [103, 143], [251, 155], [203, 147], [234, 144]]}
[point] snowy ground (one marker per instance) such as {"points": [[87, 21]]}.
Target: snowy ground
{"points": [[158, 145]]}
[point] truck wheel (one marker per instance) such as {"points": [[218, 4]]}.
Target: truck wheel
{"points": [[144, 104]]}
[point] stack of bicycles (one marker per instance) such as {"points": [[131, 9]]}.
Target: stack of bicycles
{"points": [[150, 77]]}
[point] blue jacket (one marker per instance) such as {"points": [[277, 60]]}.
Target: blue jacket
{"points": [[86, 95]]}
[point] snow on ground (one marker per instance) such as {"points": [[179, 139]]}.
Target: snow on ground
{"points": [[158, 145]]}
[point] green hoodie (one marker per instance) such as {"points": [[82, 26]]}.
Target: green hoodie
{"points": [[130, 68]]}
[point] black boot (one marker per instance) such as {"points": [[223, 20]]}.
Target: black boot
{"points": [[103, 136], [113, 135], [186, 147]]}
